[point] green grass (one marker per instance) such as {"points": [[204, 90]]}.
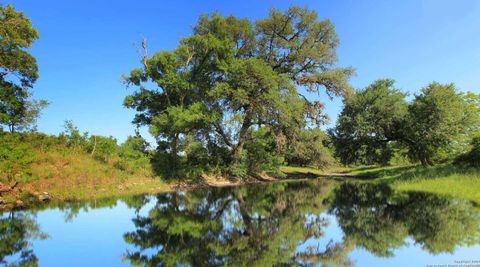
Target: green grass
{"points": [[443, 179], [467, 187]]}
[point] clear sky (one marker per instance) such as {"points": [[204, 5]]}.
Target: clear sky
{"points": [[85, 46]]}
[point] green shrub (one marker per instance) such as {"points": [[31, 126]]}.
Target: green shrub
{"points": [[16, 157], [471, 158], [102, 148], [262, 154], [134, 156], [310, 150], [73, 137], [43, 141]]}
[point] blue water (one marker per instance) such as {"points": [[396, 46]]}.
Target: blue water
{"points": [[249, 226]]}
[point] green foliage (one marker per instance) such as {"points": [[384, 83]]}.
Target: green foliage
{"points": [[102, 148], [134, 155], [437, 118], [311, 149], [230, 79], [16, 157], [18, 71], [374, 218], [261, 154], [472, 157], [434, 127], [369, 121], [74, 138]]}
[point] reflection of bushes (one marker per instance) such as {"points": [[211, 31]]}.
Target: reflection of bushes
{"points": [[374, 218]]}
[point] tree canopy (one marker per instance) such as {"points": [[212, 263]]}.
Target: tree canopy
{"points": [[435, 125], [18, 70], [205, 100]]}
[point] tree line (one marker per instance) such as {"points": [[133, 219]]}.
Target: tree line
{"points": [[437, 125], [235, 98]]}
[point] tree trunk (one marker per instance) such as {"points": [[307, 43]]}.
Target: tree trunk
{"points": [[242, 136], [94, 144], [175, 146], [424, 162]]}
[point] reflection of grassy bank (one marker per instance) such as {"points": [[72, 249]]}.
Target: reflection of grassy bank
{"points": [[443, 179]]}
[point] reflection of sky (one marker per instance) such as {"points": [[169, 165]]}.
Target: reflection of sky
{"points": [[95, 238]]}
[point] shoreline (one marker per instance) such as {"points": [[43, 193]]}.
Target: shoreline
{"points": [[23, 197]]}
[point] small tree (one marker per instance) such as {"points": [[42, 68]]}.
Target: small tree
{"points": [[74, 138], [101, 147]]}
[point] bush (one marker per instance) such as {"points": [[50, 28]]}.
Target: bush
{"points": [[134, 156], [16, 157], [102, 148], [261, 153], [310, 150], [73, 137], [471, 158], [43, 141]]}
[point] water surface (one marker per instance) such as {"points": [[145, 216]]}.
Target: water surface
{"points": [[315, 223]]}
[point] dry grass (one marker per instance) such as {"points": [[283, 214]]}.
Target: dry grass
{"points": [[75, 175]]}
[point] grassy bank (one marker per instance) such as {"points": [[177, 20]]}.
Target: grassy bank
{"points": [[444, 179], [73, 174]]}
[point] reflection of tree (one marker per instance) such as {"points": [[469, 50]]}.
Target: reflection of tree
{"points": [[439, 224], [17, 230], [245, 226], [374, 218]]}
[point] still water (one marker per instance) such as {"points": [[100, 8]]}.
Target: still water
{"points": [[315, 223]]}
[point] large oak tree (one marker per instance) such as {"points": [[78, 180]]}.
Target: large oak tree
{"points": [[205, 100]]}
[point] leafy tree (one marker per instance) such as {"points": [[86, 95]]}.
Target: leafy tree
{"points": [[310, 149], [74, 138], [370, 120], [437, 118], [18, 71], [101, 147], [377, 122], [231, 78]]}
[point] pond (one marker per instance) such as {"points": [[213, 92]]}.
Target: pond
{"points": [[316, 223]]}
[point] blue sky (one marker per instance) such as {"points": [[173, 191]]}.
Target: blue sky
{"points": [[85, 46]]}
